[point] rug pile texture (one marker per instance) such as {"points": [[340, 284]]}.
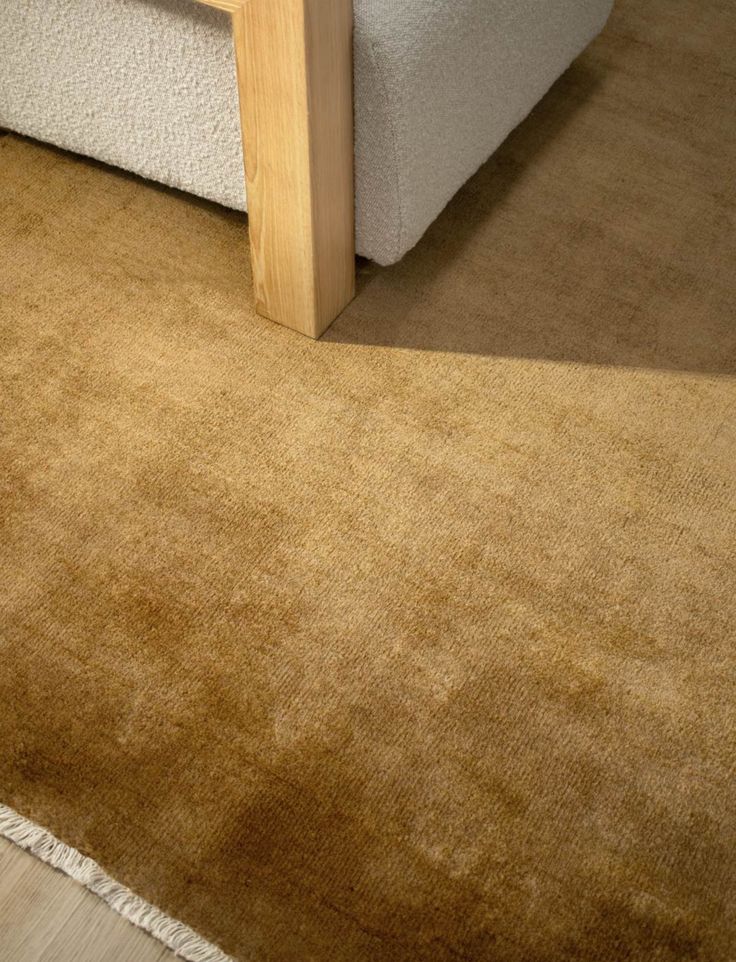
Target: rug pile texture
{"points": [[418, 642]]}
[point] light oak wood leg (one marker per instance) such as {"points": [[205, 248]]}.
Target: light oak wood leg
{"points": [[295, 80]]}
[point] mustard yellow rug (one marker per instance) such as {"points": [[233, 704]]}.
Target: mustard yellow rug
{"points": [[415, 643]]}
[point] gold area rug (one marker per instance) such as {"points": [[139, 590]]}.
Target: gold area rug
{"points": [[416, 643]]}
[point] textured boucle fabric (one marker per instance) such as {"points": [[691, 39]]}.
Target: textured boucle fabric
{"points": [[149, 85]]}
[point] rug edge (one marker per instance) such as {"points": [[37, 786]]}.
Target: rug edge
{"points": [[175, 935]]}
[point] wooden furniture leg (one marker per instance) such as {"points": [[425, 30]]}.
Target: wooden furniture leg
{"points": [[295, 81]]}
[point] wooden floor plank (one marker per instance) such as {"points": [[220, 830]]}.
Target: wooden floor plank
{"points": [[47, 917]]}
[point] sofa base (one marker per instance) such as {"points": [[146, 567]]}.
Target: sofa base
{"points": [[150, 86]]}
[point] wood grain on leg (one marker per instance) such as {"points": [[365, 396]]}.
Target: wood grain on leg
{"points": [[294, 62]]}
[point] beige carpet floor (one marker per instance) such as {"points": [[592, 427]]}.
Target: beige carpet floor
{"points": [[415, 643]]}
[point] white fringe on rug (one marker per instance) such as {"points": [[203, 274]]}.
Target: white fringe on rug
{"points": [[178, 937]]}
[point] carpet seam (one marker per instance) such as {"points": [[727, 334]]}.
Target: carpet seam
{"points": [[175, 935]]}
